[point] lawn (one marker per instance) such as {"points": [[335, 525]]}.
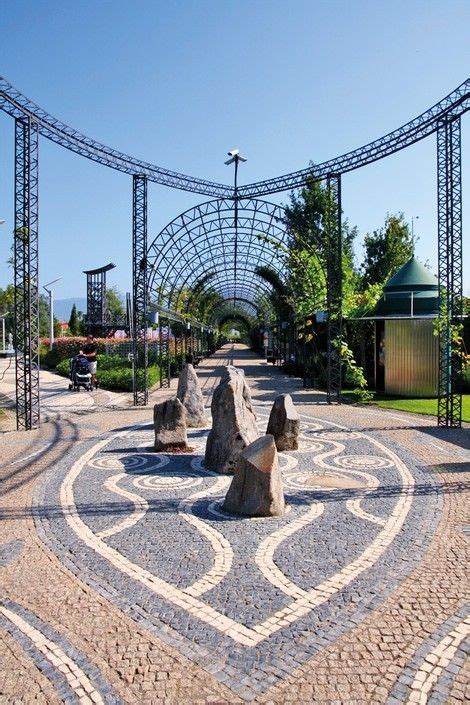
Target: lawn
{"points": [[420, 406], [415, 406]]}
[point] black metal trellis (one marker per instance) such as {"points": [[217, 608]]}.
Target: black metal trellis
{"points": [[449, 200], [334, 293], [139, 290], [26, 256], [31, 120], [96, 321]]}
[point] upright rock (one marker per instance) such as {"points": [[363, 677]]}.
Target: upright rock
{"points": [[169, 421], [284, 423], [233, 422], [190, 395], [256, 488]]}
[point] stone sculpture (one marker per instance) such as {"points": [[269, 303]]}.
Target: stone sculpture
{"points": [[284, 423], [190, 395], [256, 488], [233, 422], [169, 421]]}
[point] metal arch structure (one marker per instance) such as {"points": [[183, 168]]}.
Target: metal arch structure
{"points": [[26, 275], [96, 304], [19, 106], [422, 126], [31, 121], [207, 239]]}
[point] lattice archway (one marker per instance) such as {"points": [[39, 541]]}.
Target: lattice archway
{"points": [[210, 240]]}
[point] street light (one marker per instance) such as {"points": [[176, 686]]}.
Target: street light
{"points": [[51, 309], [235, 158]]}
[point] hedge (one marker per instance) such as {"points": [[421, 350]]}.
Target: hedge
{"points": [[113, 373], [66, 347]]}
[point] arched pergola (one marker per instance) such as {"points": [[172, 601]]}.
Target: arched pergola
{"points": [[233, 269]]}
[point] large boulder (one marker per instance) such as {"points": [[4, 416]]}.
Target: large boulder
{"points": [[233, 422], [284, 423], [256, 488], [190, 395], [169, 421]]}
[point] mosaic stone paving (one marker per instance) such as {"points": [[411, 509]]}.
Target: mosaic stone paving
{"points": [[249, 600]]}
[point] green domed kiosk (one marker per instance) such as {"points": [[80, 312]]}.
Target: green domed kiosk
{"points": [[406, 349]]}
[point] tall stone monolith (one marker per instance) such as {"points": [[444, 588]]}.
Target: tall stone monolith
{"points": [[256, 488], [169, 421], [233, 422], [284, 423], [190, 395]]}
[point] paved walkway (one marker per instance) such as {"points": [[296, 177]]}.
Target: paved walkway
{"points": [[123, 581]]}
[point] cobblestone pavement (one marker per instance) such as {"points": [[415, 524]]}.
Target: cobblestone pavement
{"points": [[122, 580]]}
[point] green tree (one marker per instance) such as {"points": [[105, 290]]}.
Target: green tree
{"points": [[7, 302], [74, 323], [306, 218], [386, 250], [115, 304]]}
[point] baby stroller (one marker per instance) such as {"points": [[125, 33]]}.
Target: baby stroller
{"points": [[79, 374]]}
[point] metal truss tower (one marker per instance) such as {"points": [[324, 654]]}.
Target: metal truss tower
{"points": [[139, 290], [26, 274], [334, 292], [97, 308], [449, 204]]}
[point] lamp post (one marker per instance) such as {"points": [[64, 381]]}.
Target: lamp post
{"points": [[51, 310], [235, 158]]}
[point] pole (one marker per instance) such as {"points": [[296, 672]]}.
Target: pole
{"points": [[237, 157], [51, 312]]}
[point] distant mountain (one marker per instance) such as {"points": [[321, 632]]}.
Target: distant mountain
{"points": [[63, 307]]}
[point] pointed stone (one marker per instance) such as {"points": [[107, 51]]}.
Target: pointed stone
{"points": [[169, 421], [190, 395], [284, 423], [256, 488], [233, 422]]}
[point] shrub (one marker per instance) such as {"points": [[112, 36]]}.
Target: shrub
{"points": [[67, 346], [114, 373]]}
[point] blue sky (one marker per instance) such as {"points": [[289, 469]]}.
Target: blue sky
{"points": [[180, 83]]}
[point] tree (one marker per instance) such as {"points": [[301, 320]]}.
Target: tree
{"points": [[7, 304], [306, 219], [74, 323], [386, 250], [115, 304]]}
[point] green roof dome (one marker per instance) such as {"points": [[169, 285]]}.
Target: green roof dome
{"points": [[413, 276], [412, 292]]}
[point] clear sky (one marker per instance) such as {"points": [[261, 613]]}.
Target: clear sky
{"points": [[179, 83]]}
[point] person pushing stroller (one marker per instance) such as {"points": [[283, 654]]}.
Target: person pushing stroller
{"points": [[89, 350]]}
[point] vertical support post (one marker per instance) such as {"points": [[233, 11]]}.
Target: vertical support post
{"points": [[139, 289], [334, 286], [168, 352], [26, 274], [449, 216]]}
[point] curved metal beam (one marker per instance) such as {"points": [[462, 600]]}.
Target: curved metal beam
{"points": [[18, 105], [456, 103]]}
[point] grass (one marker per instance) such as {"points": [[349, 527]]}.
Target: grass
{"points": [[414, 406], [420, 406]]}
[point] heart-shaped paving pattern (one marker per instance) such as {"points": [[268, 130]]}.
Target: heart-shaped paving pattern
{"points": [[247, 599]]}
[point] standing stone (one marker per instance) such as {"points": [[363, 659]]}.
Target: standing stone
{"points": [[233, 422], [169, 421], [284, 423], [190, 395], [256, 488]]}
